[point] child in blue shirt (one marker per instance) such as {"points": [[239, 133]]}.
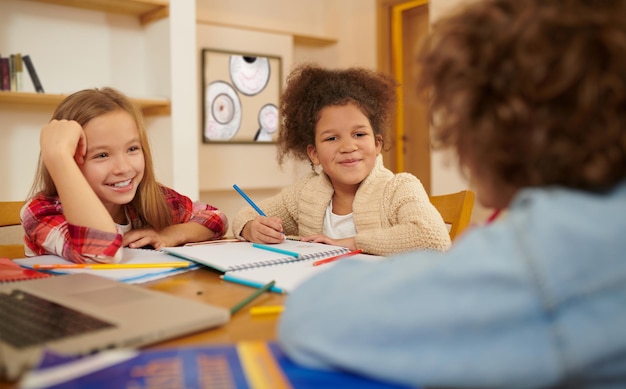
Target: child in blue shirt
{"points": [[531, 95]]}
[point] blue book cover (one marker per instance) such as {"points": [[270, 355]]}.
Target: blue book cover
{"points": [[244, 365]]}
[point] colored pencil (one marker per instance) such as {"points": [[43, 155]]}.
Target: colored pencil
{"points": [[249, 200], [254, 295], [110, 266], [493, 216], [266, 310], [336, 257], [237, 280], [276, 250]]}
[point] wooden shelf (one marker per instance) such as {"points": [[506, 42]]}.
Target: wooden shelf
{"points": [[146, 10], [302, 39], [149, 107]]}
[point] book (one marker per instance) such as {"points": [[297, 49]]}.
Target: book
{"points": [[231, 256], [12, 83], [19, 74], [131, 256], [243, 263], [5, 80], [242, 365], [33, 73], [12, 272], [287, 276]]}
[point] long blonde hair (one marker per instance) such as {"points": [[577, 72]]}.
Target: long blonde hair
{"points": [[82, 106]]}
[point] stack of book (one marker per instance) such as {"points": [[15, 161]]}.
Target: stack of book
{"points": [[12, 73]]}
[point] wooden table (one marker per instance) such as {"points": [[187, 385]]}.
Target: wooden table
{"points": [[205, 285]]}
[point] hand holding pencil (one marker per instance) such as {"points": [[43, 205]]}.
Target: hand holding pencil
{"points": [[263, 228]]}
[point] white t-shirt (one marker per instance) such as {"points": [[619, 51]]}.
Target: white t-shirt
{"points": [[338, 226], [124, 227]]}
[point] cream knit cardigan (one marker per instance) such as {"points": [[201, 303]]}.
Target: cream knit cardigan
{"points": [[392, 212]]}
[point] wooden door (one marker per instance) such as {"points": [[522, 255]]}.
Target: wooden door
{"points": [[403, 25]]}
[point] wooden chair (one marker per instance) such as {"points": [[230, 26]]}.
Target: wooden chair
{"points": [[10, 216], [456, 210]]}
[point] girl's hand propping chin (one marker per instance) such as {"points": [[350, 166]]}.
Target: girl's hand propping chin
{"points": [[63, 138]]}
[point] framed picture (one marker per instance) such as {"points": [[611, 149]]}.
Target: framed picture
{"points": [[240, 93]]}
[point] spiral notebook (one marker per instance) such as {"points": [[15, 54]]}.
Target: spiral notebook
{"points": [[131, 276], [244, 263]]}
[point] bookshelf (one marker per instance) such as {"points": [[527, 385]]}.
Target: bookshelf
{"points": [[298, 38], [146, 10], [154, 74], [149, 107]]}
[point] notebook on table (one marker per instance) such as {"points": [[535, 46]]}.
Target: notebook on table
{"points": [[243, 263], [79, 314], [288, 276], [131, 256]]}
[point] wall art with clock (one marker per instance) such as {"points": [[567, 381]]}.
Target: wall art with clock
{"points": [[240, 93]]}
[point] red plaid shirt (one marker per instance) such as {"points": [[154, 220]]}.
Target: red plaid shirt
{"points": [[46, 231]]}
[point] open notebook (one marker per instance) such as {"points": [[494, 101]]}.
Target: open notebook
{"points": [[246, 264], [131, 256]]}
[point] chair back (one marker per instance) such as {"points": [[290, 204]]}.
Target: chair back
{"points": [[456, 210], [10, 216]]}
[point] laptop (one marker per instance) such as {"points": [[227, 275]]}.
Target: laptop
{"points": [[80, 314]]}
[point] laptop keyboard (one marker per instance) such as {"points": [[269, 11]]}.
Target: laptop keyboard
{"points": [[27, 320]]}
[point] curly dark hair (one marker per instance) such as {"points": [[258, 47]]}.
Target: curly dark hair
{"points": [[310, 88], [533, 92]]}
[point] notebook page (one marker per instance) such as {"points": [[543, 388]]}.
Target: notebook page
{"points": [[230, 256], [289, 275]]}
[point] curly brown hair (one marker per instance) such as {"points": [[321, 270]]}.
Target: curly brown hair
{"points": [[533, 92], [310, 88]]}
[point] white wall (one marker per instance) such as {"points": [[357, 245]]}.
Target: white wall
{"points": [[91, 49], [254, 167], [71, 49]]}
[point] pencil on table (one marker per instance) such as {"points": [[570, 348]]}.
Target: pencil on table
{"points": [[266, 310], [254, 295], [110, 266]]}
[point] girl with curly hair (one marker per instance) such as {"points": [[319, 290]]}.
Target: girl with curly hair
{"points": [[337, 120]]}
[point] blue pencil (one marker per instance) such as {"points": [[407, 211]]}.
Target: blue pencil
{"points": [[276, 250], [230, 278], [249, 200]]}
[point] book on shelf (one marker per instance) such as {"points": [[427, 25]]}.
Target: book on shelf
{"points": [[246, 263], [19, 73], [5, 73], [127, 275], [13, 84], [12, 272], [242, 365], [12, 73], [33, 73]]}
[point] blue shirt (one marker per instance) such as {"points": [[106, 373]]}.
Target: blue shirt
{"points": [[534, 300]]}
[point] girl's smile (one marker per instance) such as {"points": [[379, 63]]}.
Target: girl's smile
{"points": [[345, 146], [114, 164]]}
